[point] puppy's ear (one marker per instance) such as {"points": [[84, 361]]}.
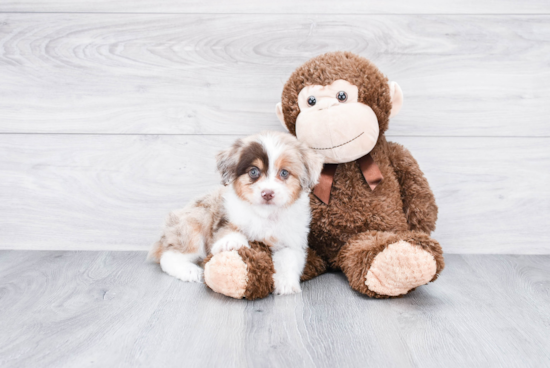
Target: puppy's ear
{"points": [[313, 162], [227, 162]]}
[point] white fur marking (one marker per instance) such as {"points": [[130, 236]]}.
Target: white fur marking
{"points": [[289, 265], [181, 266]]}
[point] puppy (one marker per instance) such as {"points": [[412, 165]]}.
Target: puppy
{"points": [[267, 179]]}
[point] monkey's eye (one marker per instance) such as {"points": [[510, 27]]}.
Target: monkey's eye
{"points": [[254, 173], [311, 101], [342, 96], [284, 174]]}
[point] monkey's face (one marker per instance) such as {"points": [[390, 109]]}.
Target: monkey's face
{"points": [[339, 104], [334, 123]]}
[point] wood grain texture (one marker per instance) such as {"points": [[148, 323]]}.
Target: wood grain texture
{"points": [[282, 6], [113, 192], [466, 75], [111, 309]]}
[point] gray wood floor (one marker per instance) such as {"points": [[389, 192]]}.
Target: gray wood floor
{"points": [[112, 309]]}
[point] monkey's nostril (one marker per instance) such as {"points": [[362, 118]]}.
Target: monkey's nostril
{"points": [[268, 195]]}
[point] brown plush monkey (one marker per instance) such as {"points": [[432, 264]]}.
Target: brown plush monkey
{"points": [[373, 210]]}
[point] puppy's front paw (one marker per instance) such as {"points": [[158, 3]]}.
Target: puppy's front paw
{"points": [[233, 241], [286, 285]]}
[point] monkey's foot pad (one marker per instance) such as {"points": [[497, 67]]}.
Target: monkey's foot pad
{"points": [[399, 268]]}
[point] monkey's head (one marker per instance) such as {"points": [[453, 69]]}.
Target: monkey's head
{"points": [[339, 104]]}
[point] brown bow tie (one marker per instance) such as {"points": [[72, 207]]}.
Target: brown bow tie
{"points": [[369, 168]]}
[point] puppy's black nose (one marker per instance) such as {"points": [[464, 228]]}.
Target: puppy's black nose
{"points": [[268, 195]]}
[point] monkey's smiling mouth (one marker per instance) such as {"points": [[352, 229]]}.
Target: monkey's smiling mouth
{"points": [[340, 145]]}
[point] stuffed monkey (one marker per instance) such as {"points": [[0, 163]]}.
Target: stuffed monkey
{"points": [[373, 210]]}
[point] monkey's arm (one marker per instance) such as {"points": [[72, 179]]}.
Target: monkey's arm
{"points": [[418, 200]]}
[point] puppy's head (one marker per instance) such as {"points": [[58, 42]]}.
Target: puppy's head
{"points": [[270, 168]]}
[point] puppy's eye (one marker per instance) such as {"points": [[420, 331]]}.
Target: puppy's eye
{"points": [[284, 174], [254, 173], [311, 101], [342, 96]]}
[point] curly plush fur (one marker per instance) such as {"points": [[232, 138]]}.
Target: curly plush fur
{"points": [[379, 238], [403, 201]]}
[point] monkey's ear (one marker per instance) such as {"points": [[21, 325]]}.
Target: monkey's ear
{"points": [[396, 98], [279, 112]]}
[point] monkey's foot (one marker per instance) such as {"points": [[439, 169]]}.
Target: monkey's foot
{"points": [[384, 265], [227, 274], [400, 268], [244, 273]]}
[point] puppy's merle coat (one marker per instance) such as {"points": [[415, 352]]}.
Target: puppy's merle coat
{"points": [[267, 179]]}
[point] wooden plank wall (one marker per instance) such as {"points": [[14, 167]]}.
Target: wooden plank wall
{"points": [[111, 111]]}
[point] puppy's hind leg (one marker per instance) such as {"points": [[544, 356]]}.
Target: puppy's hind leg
{"points": [[182, 265], [182, 246]]}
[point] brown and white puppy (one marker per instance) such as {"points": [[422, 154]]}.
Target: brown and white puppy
{"points": [[267, 179]]}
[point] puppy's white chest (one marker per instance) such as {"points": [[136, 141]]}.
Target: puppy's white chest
{"points": [[277, 227], [261, 229]]}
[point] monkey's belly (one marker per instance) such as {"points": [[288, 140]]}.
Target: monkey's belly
{"points": [[355, 208]]}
